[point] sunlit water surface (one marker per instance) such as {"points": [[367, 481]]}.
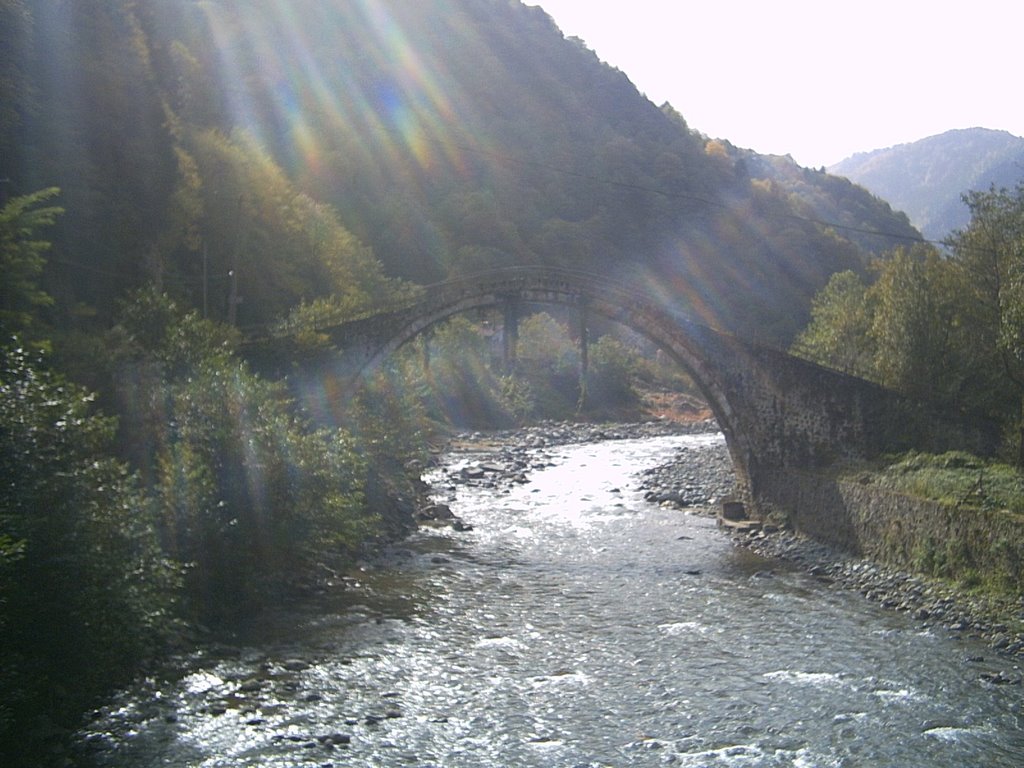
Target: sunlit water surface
{"points": [[577, 625]]}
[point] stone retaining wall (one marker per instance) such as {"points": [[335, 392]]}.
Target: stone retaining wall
{"points": [[899, 530]]}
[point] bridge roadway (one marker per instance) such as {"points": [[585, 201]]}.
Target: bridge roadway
{"points": [[780, 415]]}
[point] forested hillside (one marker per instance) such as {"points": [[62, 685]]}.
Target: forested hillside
{"points": [[286, 143], [928, 178], [855, 214]]}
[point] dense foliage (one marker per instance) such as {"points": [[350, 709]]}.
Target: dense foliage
{"points": [[461, 378], [945, 327], [208, 496], [85, 589], [248, 495]]}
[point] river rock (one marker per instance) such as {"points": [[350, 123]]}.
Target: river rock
{"points": [[435, 512], [335, 739]]}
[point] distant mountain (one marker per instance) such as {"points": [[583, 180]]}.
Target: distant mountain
{"points": [[927, 178]]}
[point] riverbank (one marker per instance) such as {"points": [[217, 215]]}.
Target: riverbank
{"points": [[939, 605], [935, 604], [695, 481]]}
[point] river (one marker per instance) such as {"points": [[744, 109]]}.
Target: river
{"points": [[575, 625]]}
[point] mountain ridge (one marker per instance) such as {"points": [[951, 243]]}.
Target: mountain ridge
{"points": [[926, 178]]}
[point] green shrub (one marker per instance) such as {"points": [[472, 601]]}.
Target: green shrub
{"points": [[85, 591], [250, 496]]}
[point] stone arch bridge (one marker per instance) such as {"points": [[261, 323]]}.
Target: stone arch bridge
{"points": [[780, 415]]}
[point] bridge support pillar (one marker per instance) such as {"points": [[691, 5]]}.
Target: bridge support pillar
{"points": [[425, 350], [584, 343], [510, 333]]}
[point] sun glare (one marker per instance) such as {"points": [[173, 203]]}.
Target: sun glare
{"points": [[278, 86]]}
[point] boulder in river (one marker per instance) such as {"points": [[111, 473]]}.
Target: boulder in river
{"points": [[435, 512]]}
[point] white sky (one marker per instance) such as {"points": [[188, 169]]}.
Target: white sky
{"points": [[816, 79]]}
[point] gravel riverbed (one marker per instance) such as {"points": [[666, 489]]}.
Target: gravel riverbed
{"points": [[697, 480]]}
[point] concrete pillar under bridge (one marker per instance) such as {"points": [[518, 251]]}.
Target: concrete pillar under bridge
{"points": [[425, 349]]}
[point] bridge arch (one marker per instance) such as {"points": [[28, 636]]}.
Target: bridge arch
{"points": [[370, 340], [783, 418]]}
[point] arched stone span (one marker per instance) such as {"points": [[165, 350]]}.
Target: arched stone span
{"points": [[779, 414], [370, 340]]}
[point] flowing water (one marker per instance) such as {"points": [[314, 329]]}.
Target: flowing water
{"points": [[577, 625]]}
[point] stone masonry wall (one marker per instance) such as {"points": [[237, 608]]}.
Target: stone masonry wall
{"points": [[896, 529]]}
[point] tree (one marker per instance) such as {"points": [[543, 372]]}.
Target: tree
{"points": [[249, 494], [613, 369], [268, 243], [458, 385], [546, 348], [15, 51], [990, 256], [949, 329], [85, 591], [916, 318], [838, 334], [22, 259]]}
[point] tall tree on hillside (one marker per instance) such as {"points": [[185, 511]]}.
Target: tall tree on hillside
{"points": [[839, 332], [990, 255], [269, 246], [915, 324], [15, 43], [22, 261], [98, 130]]}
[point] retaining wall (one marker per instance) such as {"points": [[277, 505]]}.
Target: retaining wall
{"points": [[899, 530]]}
